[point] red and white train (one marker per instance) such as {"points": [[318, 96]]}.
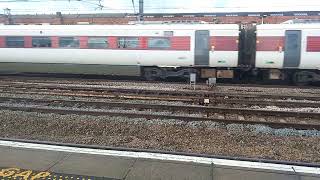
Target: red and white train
{"points": [[290, 50], [271, 51]]}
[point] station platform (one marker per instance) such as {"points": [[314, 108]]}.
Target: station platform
{"points": [[20, 160]]}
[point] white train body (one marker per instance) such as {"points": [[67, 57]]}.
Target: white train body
{"points": [[283, 51], [181, 52], [288, 46]]}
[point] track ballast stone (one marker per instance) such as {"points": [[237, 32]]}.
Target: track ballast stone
{"points": [[170, 135]]}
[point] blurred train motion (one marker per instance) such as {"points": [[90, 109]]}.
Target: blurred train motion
{"points": [[281, 52]]}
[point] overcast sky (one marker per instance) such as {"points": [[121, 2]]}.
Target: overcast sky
{"points": [[156, 6]]}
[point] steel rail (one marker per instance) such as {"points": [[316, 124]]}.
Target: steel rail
{"points": [[173, 108], [186, 99], [108, 95], [52, 79], [45, 109], [188, 93], [266, 103]]}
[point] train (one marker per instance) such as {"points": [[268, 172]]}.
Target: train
{"points": [[266, 52]]}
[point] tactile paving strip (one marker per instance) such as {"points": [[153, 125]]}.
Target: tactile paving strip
{"points": [[24, 174]]}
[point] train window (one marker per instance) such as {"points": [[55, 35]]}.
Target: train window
{"points": [[128, 42], [97, 42], [159, 43], [15, 42], [41, 42], [69, 42]]}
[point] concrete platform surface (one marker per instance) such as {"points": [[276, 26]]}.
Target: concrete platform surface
{"points": [[34, 161]]}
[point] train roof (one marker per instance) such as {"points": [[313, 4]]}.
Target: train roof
{"points": [[123, 27], [289, 26]]}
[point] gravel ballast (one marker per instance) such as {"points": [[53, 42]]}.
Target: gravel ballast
{"points": [[207, 138]]}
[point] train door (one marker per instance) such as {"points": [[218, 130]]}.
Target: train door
{"points": [[201, 52], [292, 54]]}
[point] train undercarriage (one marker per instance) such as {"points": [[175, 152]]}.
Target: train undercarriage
{"points": [[244, 74], [236, 75]]}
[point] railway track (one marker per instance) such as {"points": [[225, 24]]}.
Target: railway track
{"points": [[179, 112], [151, 92], [227, 108], [173, 108], [47, 78], [188, 100], [186, 97]]}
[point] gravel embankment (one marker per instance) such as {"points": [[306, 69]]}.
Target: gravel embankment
{"points": [[209, 138]]}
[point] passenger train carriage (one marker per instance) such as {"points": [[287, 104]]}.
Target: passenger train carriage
{"points": [[281, 51], [118, 49], [292, 49]]}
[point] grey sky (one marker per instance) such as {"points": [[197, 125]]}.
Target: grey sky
{"points": [[153, 6]]}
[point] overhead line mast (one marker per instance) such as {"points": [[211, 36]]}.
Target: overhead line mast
{"points": [[140, 15]]}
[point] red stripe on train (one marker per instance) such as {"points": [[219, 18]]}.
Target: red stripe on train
{"points": [[2, 42], [224, 43], [54, 41], [28, 42], [83, 40], [270, 43], [180, 43], [313, 44]]}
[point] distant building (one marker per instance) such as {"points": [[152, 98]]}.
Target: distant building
{"points": [[217, 18]]}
